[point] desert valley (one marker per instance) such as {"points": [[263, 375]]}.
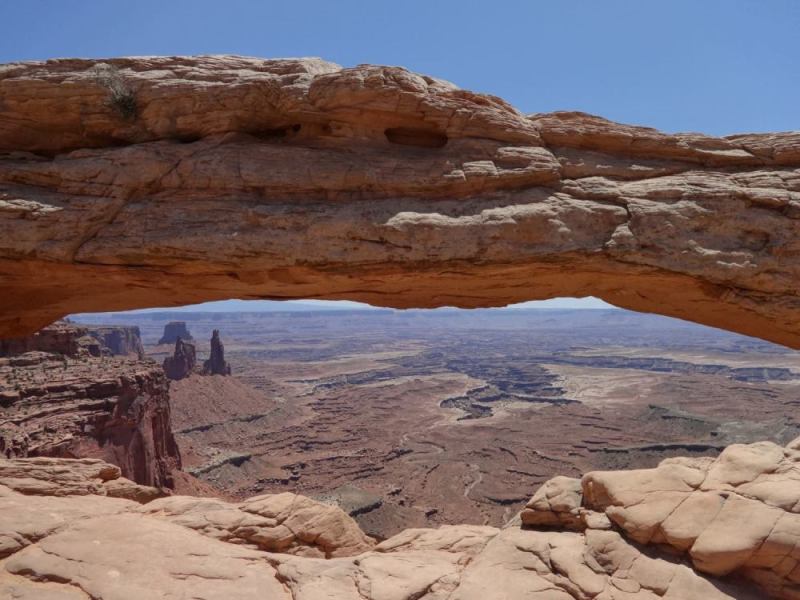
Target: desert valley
{"points": [[421, 418]]}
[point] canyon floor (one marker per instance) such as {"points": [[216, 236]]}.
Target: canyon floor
{"points": [[420, 418]]}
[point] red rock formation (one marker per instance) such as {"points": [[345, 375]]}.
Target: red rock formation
{"points": [[175, 330], [73, 340], [219, 177], [71, 477], [216, 365], [183, 362], [58, 338], [67, 402], [735, 514], [120, 340]]}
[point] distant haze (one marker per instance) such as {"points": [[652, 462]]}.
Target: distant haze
{"points": [[305, 305]]}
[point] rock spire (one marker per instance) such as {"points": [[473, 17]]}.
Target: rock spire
{"points": [[183, 362], [216, 365]]}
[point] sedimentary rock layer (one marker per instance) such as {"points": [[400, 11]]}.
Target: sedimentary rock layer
{"points": [[64, 396], [175, 330], [174, 180], [737, 514], [216, 363], [60, 534], [120, 340]]}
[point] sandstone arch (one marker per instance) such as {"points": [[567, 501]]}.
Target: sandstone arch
{"points": [[165, 181]]}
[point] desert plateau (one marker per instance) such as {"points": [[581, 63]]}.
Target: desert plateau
{"points": [[424, 418]]}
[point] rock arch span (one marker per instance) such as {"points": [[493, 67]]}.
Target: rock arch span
{"points": [[163, 181]]}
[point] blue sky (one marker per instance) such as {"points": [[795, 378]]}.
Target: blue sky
{"points": [[715, 66], [718, 66]]}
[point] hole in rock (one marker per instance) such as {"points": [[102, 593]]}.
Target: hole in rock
{"points": [[413, 136], [416, 418], [276, 133]]}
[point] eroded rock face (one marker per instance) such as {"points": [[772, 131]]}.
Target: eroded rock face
{"points": [[69, 339], [46, 476], [175, 330], [70, 401], [183, 361], [60, 338], [737, 514], [76, 542], [216, 364], [166, 181]]}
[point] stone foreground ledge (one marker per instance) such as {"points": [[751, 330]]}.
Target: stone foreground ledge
{"points": [[77, 543]]}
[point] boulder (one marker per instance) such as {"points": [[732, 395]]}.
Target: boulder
{"points": [[736, 514]]}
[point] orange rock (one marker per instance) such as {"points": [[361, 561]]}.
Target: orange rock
{"points": [[167, 181]]}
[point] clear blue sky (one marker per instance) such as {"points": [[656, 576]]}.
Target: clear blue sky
{"points": [[718, 66]]}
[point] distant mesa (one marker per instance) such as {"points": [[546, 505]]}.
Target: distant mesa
{"points": [[216, 365], [119, 339], [183, 362], [174, 330]]}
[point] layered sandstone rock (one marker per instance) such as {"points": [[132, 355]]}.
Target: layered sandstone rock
{"points": [[175, 330], [183, 361], [75, 341], [70, 402], [166, 181], [216, 364], [119, 339], [738, 514], [46, 476], [558, 503], [60, 338], [78, 543]]}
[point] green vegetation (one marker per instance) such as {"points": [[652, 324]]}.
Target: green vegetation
{"points": [[121, 97]]}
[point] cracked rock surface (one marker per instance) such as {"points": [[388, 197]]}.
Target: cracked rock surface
{"points": [[621, 535], [173, 180]]}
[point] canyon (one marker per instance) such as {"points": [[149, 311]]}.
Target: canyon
{"points": [[162, 181], [65, 395], [428, 418]]}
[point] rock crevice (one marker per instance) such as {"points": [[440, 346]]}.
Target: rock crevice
{"points": [[64, 394]]}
